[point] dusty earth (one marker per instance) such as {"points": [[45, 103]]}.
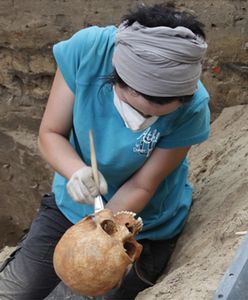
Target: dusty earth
{"points": [[219, 173], [218, 167]]}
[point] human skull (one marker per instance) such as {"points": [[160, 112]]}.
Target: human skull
{"points": [[93, 255]]}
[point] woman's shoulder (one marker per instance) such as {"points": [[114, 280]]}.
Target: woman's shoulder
{"points": [[93, 34], [198, 103], [86, 39], [201, 96]]}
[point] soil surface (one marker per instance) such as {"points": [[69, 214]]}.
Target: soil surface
{"points": [[218, 167], [219, 173]]}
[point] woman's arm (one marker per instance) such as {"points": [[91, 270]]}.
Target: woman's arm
{"points": [[55, 129], [138, 190]]}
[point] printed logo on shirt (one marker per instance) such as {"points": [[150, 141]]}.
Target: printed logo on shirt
{"points": [[146, 142]]}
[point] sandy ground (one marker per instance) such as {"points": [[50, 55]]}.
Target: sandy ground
{"points": [[219, 173], [220, 178]]}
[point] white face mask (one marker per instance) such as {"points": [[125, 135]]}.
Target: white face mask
{"points": [[132, 119]]}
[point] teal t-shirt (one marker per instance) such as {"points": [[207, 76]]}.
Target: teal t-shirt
{"points": [[85, 60]]}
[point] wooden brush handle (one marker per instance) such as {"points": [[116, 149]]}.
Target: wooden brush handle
{"points": [[93, 160]]}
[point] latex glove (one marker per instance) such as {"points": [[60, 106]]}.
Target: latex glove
{"points": [[82, 187]]}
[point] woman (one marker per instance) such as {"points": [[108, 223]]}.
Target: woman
{"points": [[137, 87]]}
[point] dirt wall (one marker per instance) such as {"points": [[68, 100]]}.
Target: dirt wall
{"points": [[29, 29]]}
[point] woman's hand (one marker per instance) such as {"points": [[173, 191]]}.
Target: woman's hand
{"points": [[82, 187]]}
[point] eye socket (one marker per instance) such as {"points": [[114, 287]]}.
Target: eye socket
{"points": [[109, 227]]}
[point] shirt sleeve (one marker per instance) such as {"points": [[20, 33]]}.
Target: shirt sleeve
{"points": [[192, 130], [69, 53]]}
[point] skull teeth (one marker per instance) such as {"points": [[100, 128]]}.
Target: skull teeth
{"points": [[126, 212], [140, 223]]}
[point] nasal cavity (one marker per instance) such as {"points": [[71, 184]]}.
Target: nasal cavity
{"points": [[129, 248]]}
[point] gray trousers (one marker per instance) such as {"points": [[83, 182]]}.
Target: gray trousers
{"points": [[28, 273]]}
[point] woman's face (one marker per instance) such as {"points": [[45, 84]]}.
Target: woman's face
{"points": [[144, 107]]}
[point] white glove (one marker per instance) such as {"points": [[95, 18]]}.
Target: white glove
{"points": [[82, 187]]}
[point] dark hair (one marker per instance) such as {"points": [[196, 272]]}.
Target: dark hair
{"points": [[164, 15], [153, 16]]}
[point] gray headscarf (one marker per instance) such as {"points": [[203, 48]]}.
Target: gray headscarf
{"points": [[159, 61]]}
